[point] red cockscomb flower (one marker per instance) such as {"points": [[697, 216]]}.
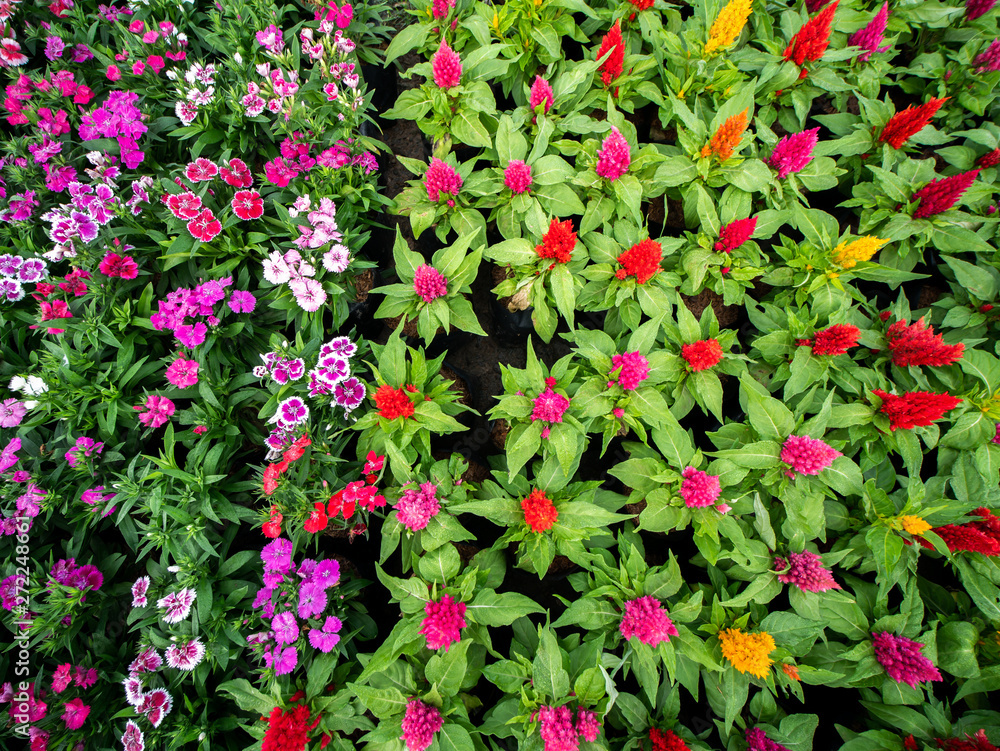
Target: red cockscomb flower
{"points": [[989, 159], [642, 261], [836, 339], [288, 730], [915, 408], [392, 403], [903, 125], [941, 195], [247, 204], [205, 226], [558, 242], [613, 43], [702, 355], [812, 39], [917, 344], [666, 740], [977, 742], [980, 536], [734, 234], [539, 512]]}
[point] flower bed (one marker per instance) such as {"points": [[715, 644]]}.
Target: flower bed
{"points": [[547, 375]]}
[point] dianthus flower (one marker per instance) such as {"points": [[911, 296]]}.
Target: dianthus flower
{"points": [[941, 195], [698, 488], [725, 140], [702, 355], [757, 740], [539, 512], [666, 740], [613, 43], [728, 25], [517, 176], [917, 344], [288, 730], [183, 372], [418, 506], [429, 283], [813, 38], [75, 713], [870, 37], [614, 156], [792, 153], [807, 456], [915, 409], [976, 8], [120, 267], [645, 619], [805, 571], [836, 339], [902, 659], [442, 622], [987, 60], [541, 93], [748, 653], [420, 722], [556, 729], [558, 242], [977, 742], [447, 66], [846, 255], [440, 178], [904, 125], [156, 411], [980, 536], [392, 403], [734, 234], [642, 261]]}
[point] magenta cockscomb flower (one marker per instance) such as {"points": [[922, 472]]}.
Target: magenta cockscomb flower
{"points": [[517, 176], [440, 178], [632, 368], [698, 488], [615, 156], [792, 153], [447, 66], [941, 195], [442, 622], [807, 456], [587, 724], [645, 619], [420, 722], [429, 283], [806, 571], [557, 730], [976, 8], [870, 37], [988, 59], [757, 740], [541, 93], [734, 234], [549, 407], [418, 506], [902, 659]]}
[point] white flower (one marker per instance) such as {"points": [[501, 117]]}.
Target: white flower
{"points": [[17, 383], [238, 58], [35, 386], [309, 293], [337, 259], [275, 269], [30, 404]]}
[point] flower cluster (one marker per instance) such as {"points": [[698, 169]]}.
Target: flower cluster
{"points": [[906, 124], [666, 740], [698, 488], [418, 506], [645, 619], [443, 620], [805, 570], [757, 740], [288, 729], [807, 456], [429, 283], [16, 271], [540, 513], [83, 449], [847, 255], [940, 195], [558, 731], [614, 44], [748, 653], [420, 722], [517, 176], [902, 660], [702, 355], [734, 234], [915, 408], [446, 67], [869, 37], [812, 39], [614, 156], [184, 308], [980, 536], [728, 25], [916, 344], [725, 140], [642, 261], [558, 243], [549, 406], [442, 179], [628, 370], [792, 153], [833, 340]]}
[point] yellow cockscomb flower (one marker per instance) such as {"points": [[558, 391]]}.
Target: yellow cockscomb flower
{"points": [[727, 137], [914, 524], [748, 653], [730, 22], [847, 255]]}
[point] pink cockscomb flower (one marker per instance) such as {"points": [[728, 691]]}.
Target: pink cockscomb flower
{"points": [[517, 176], [549, 407], [557, 730], [442, 622], [806, 571], [870, 37], [807, 456], [447, 66], [429, 283], [632, 368], [792, 153], [158, 410], [645, 619], [75, 713], [587, 724], [734, 234], [440, 178], [420, 722], [615, 156], [698, 488], [183, 372], [902, 659], [418, 506], [541, 93]]}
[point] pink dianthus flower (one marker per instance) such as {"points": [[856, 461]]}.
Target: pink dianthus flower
{"points": [[183, 372], [158, 410]]}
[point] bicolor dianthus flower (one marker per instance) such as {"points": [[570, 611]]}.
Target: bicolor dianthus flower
{"points": [[442, 622], [902, 659], [807, 456], [748, 653], [806, 571], [645, 619]]}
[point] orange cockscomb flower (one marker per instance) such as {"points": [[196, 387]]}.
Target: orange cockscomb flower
{"points": [[904, 125], [539, 512], [748, 653], [792, 671], [813, 38], [727, 137], [558, 242], [612, 42]]}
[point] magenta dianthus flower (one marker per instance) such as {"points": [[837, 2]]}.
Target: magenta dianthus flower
{"points": [[632, 368], [418, 506], [442, 622], [646, 619], [182, 372], [805, 571], [870, 37], [517, 176], [429, 283], [902, 659], [420, 723], [614, 158], [699, 489], [792, 153], [447, 66], [808, 456], [158, 410], [441, 177]]}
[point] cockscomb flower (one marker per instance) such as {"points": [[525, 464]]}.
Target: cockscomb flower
{"points": [[807, 456], [917, 344], [988, 60], [541, 93], [702, 355], [392, 403], [915, 408], [941, 195], [734, 234], [442, 622], [549, 406], [539, 511], [836, 339], [556, 729], [728, 25], [440, 8], [902, 659], [976, 8], [587, 724], [446, 66], [757, 740], [666, 740], [632, 368], [806, 571], [418, 506], [420, 722], [915, 525], [698, 488], [613, 43], [870, 37], [440, 178], [812, 39], [980, 536], [846, 255], [429, 283], [517, 176], [645, 619], [725, 140], [642, 261], [614, 157], [558, 242], [792, 153], [904, 125], [748, 653], [991, 158], [977, 742]]}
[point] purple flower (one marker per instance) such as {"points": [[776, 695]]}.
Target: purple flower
{"points": [[8, 457], [326, 574], [54, 47], [349, 393], [177, 605], [902, 659], [326, 639], [277, 556], [285, 627], [139, 590], [11, 413], [283, 660], [241, 301], [312, 599]]}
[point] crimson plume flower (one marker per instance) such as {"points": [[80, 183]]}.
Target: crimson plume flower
{"points": [[392, 403], [541, 93], [941, 195], [906, 124], [558, 242], [917, 344], [446, 66], [813, 38], [807, 456], [976, 8], [915, 408], [980, 536], [805, 571], [288, 730], [870, 37], [702, 355], [734, 234], [666, 740], [757, 740], [429, 283], [440, 178], [698, 488], [613, 43], [836, 339], [642, 261], [792, 153], [992, 158], [977, 742], [539, 512], [902, 659], [988, 60], [517, 176], [442, 622], [420, 722]]}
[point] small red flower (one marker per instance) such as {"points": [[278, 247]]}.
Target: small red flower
{"points": [[237, 174], [297, 449], [247, 204], [813, 38], [612, 42], [836, 339], [915, 408], [558, 242], [272, 527], [337, 505], [317, 519], [702, 355], [200, 169], [392, 403], [539, 512], [205, 226], [642, 261]]}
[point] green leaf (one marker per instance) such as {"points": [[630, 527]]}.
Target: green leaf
{"points": [[454, 737], [547, 672], [488, 608], [440, 565], [564, 292], [248, 697], [448, 671], [383, 702]]}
